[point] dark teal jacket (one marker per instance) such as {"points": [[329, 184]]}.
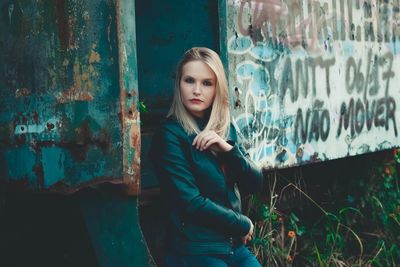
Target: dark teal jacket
{"points": [[203, 203]]}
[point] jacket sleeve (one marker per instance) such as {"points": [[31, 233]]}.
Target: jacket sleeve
{"points": [[175, 177], [246, 173]]}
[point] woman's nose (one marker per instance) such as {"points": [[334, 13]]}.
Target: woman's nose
{"points": [[196, 89]]}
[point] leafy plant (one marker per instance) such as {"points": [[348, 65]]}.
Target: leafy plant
{"points": [[142, 107], [359, 227]]}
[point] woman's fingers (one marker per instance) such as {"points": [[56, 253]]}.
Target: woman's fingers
{"points": [[203, 139], [210, 142], [199, 139], [207, 141]]}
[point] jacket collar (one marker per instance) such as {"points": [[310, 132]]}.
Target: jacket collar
{"points": [[202, 122]]}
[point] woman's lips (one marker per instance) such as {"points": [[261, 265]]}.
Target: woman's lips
{"points": [[195, 101]]}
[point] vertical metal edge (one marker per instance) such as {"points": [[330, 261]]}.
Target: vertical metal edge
{"points": [[129, 95], [223, 41]]}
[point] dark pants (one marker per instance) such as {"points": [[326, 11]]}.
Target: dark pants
{"points": [[241, 257]]}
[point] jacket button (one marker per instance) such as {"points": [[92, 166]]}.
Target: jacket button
{"points": [[231, 240]]}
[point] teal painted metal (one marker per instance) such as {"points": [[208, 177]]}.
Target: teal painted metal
{"points": [[68, 90], [223, 37], [129, 94], [113, 225]]}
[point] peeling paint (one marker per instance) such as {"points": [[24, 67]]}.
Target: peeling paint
{"points": [[22, 92], [130, 115], [37, 128], [59, 118], [83, 87], [94, 56]]}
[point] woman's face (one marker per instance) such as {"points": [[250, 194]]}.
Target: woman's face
{"points": [[198, 85]]}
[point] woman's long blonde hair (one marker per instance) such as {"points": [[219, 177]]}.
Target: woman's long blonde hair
{"points": [[219, 120]]}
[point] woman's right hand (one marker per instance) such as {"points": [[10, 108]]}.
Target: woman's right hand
{"points": [[249, 235]]}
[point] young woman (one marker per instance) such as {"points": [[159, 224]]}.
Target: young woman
{"points": [[201, 168]]}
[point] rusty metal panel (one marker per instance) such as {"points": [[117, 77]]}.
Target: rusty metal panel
{"points": [[129, 95], [313, 80], [68, 95]]}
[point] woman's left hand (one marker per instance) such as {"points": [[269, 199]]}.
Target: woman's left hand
{"points": [[211, 140]]}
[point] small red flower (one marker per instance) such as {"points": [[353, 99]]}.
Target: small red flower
{"points": [[280, 219], [291, 234], [289, 258], [387, 170], [259, 224], [391, 214]]}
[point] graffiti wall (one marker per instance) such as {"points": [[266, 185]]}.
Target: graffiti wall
{"points": [[314, 80]]}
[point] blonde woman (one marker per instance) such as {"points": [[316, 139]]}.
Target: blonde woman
{"points": [[201, 169]]}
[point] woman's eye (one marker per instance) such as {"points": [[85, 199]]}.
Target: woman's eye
{"points": [[207, 83], [189, 80]]}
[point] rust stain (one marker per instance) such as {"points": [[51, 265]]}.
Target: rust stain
{"points": [[104, 140], [61, 19], [73, 95], [20, 139], [133, 92], [94, 56], [61, 187], [66, 27], [38, 170], [80, 144], [77, 76], [83, 133], [60, 161], [25, 119], [22, 92], [86, 15], [36, 117], [135, 142], [132, 184], [59, 124], [109, 30], [71, 36], [83, 88], [65, 62], [121, 86], [50, 126]]}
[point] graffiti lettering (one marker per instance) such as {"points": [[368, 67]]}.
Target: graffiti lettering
{"points": [[319, 127], [356, 115], [293, 84], [355, 78], [313, 74], [290, 21]]}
